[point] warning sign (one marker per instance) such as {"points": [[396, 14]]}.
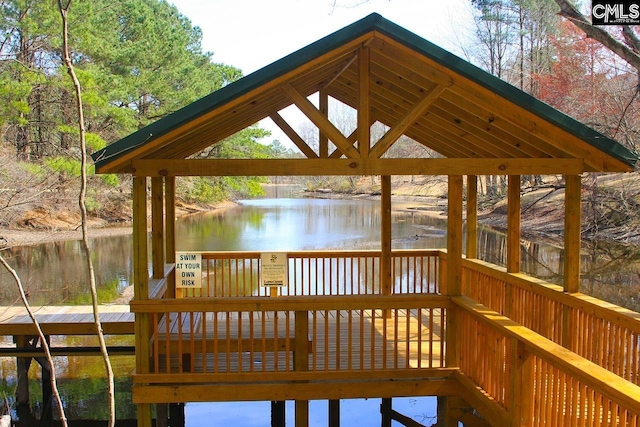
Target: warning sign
{"points": [[188, 270], [273, 269]]}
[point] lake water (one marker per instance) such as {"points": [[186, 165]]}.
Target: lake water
{"points": [[53, 273]]}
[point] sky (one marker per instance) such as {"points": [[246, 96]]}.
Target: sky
{"points": [[250, 34]]}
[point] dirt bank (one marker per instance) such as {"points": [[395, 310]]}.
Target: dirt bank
{"points": [[52, 228]]}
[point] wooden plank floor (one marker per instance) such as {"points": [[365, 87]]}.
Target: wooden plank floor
{"points": [[339, 340], [66, 320]]}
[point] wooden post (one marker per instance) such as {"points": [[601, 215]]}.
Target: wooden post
{"points": [[453, 288], [572, 244], [513, 225], [454, 268], [157, 227], [472, 216], [301, 362], [513, 237], [385, 412], [323, 141], [334, 413], [364, 109], [46, 417], [385, 257], [162, 415], [170, 232], [572, 222], [22, 387], [278, 418], [449, 411], [385, 237], [521, 385], [176, 415], [141, 287]]}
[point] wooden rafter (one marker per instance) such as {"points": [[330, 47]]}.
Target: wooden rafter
{"points": [[405, 122], [323, 141], [293, 136], [320, 121], [364, 107]]}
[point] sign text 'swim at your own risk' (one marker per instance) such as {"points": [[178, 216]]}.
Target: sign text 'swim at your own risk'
{"points": [[188, 270]]}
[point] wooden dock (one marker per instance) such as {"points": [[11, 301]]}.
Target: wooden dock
{"points": [[343, 340], [66, 320]]}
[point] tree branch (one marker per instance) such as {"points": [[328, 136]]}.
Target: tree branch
{"points": [[607, 40]]}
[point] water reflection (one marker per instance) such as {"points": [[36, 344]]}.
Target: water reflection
{"points": [[54, 273], [302, 224]]}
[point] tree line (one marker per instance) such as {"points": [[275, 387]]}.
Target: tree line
{"points": [[549, 49], [136, 60]]}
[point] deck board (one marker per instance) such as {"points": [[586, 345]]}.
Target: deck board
{"points": [[66, 320], [341, 340]]}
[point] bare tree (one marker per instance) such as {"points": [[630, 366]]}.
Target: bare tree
{"points": [[629, 50], [64, 12]]}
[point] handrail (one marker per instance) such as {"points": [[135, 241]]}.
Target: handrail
{"points": [[294, 303], [591, 305], [318, 272], [593, 376]]}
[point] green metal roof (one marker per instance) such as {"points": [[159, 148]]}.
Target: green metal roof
{"points": [[372, 24]]}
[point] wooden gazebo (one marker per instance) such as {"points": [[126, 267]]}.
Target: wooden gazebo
{"points": [[403, 323]]}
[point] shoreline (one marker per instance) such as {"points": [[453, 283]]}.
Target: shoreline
{"points": [[18, 237]]}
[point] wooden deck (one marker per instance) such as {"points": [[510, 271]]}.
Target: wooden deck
{"points": [[66, 320], [340, 340]]}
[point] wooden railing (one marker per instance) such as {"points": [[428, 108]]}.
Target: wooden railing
{"points": [[534, 381], [603, 333], [232, 338], [539, 353], [236, 274]]}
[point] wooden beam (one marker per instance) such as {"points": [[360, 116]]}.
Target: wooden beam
{"points": [[320, 121], [323, 141], [454, 236], [225, 392], [141, 287], [120, 164], [472, 216], [157, 227], [170, 230], [521, 373], [352, 138], [293, 136], [405, 122], [351, 167], [454, 267], [572, 246], [364, 105], [513, 225], [488, 408], [385, 235], [572, 222], [141, 276]]}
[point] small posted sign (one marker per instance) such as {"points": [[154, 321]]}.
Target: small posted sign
{"points": [[273, 269], [188, 270]]}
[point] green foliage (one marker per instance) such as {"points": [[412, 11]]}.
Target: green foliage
{"points": [[205, 191], [33, 169], [64, 165], [110, 179], [136, 60]]}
